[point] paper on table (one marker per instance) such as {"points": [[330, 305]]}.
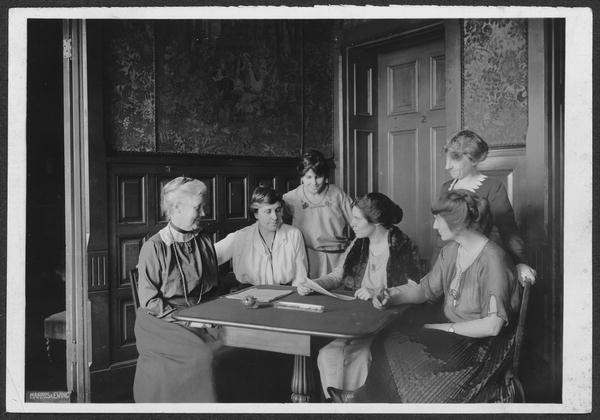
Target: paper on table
{"points": [[261, 295], [315, 287]]}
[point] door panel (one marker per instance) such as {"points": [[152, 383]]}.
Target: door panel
{"points": [[411, 123], [360, 151]]}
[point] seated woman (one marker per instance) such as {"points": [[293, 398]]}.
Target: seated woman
{"points": [[177, 268], [453, 356], [267, 252], [464, 152], [381, 256]]}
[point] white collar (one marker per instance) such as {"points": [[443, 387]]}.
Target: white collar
{"points": [[471, 185], [170, 235]]}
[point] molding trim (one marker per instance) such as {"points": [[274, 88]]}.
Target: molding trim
{"points": [[98, 270]]}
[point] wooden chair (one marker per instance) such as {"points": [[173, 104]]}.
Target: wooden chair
{"points": [[133, 283], [511, 374], [55, 328]]}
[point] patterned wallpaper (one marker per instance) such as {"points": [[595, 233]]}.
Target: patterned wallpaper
{"points": [[319, 44], [495, 79], [129, 83], [222, 87]]}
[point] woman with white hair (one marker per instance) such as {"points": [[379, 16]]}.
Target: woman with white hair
{"points": [[177, 268]]}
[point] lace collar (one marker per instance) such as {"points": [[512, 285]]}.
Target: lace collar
{"points": [[169, 235], [471, 185]]}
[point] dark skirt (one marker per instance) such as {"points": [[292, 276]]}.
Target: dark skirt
{"points": [[174, 363], [412, 364]]}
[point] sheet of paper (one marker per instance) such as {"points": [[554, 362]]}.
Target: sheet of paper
{"points": [[315, 287], [261, 295]]}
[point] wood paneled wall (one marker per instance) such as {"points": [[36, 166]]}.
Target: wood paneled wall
{"points": [[133, 206]]}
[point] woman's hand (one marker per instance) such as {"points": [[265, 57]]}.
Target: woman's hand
{"points": [[364, 294], [303, 289], [525, 274], [382, 299]]}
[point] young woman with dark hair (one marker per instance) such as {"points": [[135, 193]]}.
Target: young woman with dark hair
{"points": [[322, 212], [380, 257]]}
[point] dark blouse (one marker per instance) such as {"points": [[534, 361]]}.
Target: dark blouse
{"points": [[161, 287]]}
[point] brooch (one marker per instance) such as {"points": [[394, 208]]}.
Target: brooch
{"points": [[304, 205]]}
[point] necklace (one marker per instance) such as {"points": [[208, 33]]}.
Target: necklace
{"points": [[322, 202], [188, 245], [269, 250], [461, 268]]}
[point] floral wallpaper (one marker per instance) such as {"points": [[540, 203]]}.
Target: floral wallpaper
{"points": [[495, 79], [318, 51], [129, 103], [226, 87]]}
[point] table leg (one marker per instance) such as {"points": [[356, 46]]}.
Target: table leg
{"points": [[302, 379]]}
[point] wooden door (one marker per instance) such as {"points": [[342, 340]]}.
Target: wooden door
{"points": [[412, 131]]}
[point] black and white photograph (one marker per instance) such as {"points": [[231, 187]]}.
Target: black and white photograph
{"points": [[325, 209]]}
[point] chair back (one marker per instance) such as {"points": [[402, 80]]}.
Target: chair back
{"points": [[521, 327], [133, 283]]}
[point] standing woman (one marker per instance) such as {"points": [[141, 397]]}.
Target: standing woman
{"points": [[322, 212], [177, 268], [464, 152], [267, 252], [381, 256]]}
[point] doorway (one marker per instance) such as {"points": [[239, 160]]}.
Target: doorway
{"points": [[45, 351], [396, 123]]}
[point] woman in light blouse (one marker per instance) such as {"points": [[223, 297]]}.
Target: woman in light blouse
{"points": [[322, 212], [381, 256], [268, 251]]}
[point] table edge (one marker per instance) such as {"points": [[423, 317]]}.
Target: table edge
{"points": [[277, 329]]}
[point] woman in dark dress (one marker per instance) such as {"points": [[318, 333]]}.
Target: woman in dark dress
{"points": [[453, 356], [464, 152], [177, 268]]}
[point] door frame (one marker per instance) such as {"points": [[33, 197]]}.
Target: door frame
{"points": [[77, 227], [451, 33]]}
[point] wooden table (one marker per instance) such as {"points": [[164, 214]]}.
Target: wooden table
{"points": [[290, 331]]}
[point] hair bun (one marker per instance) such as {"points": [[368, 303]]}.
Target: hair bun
{"points": [[397, 214]]}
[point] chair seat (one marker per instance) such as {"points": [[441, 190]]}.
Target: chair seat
{"points": [[55, 326]]}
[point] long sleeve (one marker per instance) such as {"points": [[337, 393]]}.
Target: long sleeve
{"points": [[301, 262], [432, 283], [503, 218], [346, 206], [224, 248], [150, 280]]}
